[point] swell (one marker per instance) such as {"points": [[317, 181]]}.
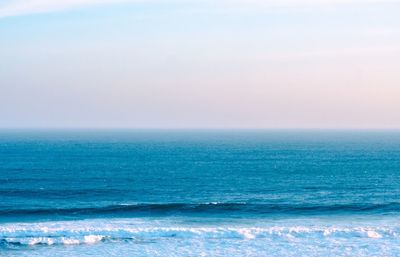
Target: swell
{"points": [[206, 209]]}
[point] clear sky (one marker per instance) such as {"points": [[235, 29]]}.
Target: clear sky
{"points": [[200, 63]]}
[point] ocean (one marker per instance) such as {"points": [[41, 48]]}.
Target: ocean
{"points": [[199, 193]]}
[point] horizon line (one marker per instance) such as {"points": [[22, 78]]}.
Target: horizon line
{"points": [[202, 128]]}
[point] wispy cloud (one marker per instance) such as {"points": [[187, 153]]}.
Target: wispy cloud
{"points": [[25, 7], [302, 3]]}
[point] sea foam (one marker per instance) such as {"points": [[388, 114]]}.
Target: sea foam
{"points": [[97, 231]]}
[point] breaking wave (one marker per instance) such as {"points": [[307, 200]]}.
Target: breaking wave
{"points": [[97, 231]]}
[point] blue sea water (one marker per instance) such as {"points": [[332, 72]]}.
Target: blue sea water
{"points": [[199, 193]]}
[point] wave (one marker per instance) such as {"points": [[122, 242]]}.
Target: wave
{"points": [[124, 210], [92, 232]]}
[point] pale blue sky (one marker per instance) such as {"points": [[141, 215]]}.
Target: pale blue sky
{"points": [[253, 64]]}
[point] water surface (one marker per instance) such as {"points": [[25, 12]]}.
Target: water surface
{"points": [[193, 193]]}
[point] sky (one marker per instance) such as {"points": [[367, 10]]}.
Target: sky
{"points": [[199, 64]]}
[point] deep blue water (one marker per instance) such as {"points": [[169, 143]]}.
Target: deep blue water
{"points": [[59, 186]]}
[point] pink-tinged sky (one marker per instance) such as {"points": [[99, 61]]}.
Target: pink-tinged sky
{"points": [[179, 64]]}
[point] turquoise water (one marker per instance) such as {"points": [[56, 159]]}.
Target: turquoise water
{"points": [[199, 193]]}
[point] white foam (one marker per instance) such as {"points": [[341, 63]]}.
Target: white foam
{"points": [[70, 241], [373, 234], [97, 231], [41, 240], [149, 237], [91, 239]]}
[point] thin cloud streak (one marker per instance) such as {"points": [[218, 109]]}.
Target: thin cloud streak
{"points": [[25, 7]]}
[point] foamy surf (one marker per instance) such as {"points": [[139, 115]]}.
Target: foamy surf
{"points": [[154, 236]]}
